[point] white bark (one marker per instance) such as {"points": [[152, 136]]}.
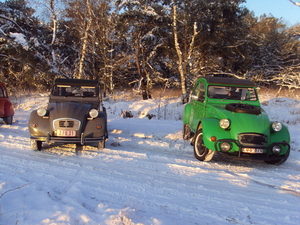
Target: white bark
{"points": [[79, 75], [178, 51]]}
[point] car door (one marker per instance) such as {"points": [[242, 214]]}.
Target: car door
{"points": [[198, 105]]}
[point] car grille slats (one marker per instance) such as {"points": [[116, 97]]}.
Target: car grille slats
{"points": [[66, 123], [253, 139]]}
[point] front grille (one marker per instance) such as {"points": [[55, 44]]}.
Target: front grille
{"points": [[66, 123], [253, 139]]}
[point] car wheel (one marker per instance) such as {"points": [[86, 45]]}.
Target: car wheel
{"points": [[101, 145], [186, 132], [79, 147], [36, 145], [8, 120], [200, 151]]}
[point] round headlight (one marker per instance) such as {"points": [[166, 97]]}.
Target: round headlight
{"points": [[225, 146], [41, 112], [93, 113], [276, 149], [224, 123], [276, 126]]}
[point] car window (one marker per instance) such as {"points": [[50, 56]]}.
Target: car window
{"points": [[233, 93], [195, 91], [77, 91], [201, 92]]}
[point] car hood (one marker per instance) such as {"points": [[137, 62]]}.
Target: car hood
{"points": [[74, 110], [243, 122]]}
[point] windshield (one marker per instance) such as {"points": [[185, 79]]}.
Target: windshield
{"points": [[77, 91], [234, 93]]}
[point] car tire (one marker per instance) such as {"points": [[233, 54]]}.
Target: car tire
{"points": [[101, 145], [8, 120], [79, 147], [201, 152], [243, 108], [36, 145], [186, 132]]}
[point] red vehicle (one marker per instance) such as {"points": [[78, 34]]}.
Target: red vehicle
{"points": [[6, 108]]}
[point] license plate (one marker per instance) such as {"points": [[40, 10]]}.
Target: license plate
{"points": [[66, 133], [253, 150]]}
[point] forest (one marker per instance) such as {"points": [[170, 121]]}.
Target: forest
{"points": [[144, 44]]}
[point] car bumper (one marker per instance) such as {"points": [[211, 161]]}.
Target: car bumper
{"points": [[266, 156], [82, 140]]}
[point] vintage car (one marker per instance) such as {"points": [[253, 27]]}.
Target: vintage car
{"points": [[6, 107], [224, 115], [74, 114]]}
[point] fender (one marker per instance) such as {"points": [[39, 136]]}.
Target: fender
{"points": [[9, 109], [211, 127], [43, 125], [91, 129], [281, 136]]}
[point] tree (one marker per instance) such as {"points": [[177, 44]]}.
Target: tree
{"points": [[295, 3], [21, 61], [207, 37], [143, 24]]}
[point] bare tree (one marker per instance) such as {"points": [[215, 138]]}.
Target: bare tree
{"points": [[295, 3], [184, 60]]}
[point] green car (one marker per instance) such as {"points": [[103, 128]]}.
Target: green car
{"points": [[224, 115]]}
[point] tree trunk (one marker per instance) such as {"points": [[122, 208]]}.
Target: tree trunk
{"points": [[143, 79], [79, 74], [179, 54]]}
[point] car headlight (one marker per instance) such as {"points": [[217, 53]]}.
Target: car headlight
{"points": [[225, 146], [276, 149], [224, 123], [41, 112], [276, 126], [93, 113]]}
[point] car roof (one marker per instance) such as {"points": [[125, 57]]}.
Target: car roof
{"points": [[63, 81], [229, 81]]}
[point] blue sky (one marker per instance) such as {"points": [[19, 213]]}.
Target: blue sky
{"points": [[284, 9]]}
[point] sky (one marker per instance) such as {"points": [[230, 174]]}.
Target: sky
{"points": [[284, 9]]}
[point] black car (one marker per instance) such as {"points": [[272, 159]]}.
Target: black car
{"points": [[74, 114]]}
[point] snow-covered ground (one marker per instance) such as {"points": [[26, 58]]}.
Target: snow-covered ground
{"points": [[147, 174]]}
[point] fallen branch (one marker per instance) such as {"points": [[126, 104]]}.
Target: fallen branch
{"points": [[12, 190]]}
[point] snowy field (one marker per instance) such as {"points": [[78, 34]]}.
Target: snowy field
{"points": [[147, 174]]}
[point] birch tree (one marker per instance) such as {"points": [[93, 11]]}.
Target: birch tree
{"points": [[184, 58], [145, 25]]}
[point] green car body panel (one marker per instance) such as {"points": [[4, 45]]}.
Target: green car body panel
{"points": [[212, 100]]}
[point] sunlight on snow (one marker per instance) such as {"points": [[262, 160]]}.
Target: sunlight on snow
{"points": [[115, 131], [185, 170], [142, 135], [233, 179], [58, 216]]}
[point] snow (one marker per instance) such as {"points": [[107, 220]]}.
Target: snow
{"points": [[20, 39], [147, 174]]}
